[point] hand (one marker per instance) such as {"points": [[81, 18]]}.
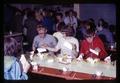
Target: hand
{"points": [[107, 59], [89, 59], [96, 59], [80, 57], [44, 45], [97, 49]]}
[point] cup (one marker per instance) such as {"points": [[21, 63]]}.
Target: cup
{"points": [[99, 73], [64, 70], [34, 66]]}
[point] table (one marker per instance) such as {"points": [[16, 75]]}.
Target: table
{"points": [[76, 70]]}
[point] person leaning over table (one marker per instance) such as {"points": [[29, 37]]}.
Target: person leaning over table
{"points": [[13, 68], [43, 39], [66, 44], [92, 42]]}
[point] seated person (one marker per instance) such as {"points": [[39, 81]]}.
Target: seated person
{"points": [[13, 68], [104, 33], [67, 45], [90, 43], [43, 39]]}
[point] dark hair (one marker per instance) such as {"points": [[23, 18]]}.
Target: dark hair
{"points": [[91, 24], [91, 20], [89, 32], [61, 25], [40, 25], [10, 46], [59, 14], [102, 20], [68, 30], [66, 13]]}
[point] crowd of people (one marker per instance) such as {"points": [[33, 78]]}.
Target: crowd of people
{"points": [[56, 31]]}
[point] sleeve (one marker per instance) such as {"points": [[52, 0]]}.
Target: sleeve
{"points": [[54, 42], [103, 52], [82, 50], [75, 21], [66, 21], [77, 45], [110, 37], [35, 44], [17, 73]]}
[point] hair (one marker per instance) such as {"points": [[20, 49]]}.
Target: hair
{"points": [[68, 30], [59, 14], [61, 26], [90, 31], [40, 25], [66, 13], [10, 46], [91, 24], [104, 23], [91, 20], [102, 20]]}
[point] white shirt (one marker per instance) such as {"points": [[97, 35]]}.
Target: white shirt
{"points": [[66, 49], [71, 20]]}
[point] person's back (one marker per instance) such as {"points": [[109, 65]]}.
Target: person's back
{"points": [[12, 69]]}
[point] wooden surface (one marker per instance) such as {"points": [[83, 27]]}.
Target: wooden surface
{"points": [[70, 75]]}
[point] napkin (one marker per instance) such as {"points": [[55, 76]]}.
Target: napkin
{"points": [[41, 50], [94, 51]]}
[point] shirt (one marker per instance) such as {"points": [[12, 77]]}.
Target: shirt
{"points": [[97, 43], [108, 35], [48, 39], [13, 70], [65, 50], [71, 20]]}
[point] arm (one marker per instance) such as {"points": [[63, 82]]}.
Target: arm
{"points": [[53, 49], [54, 42], [103, 53], [34, 45], [17, 73]]}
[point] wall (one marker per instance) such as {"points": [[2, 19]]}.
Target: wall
{"points": [[96, 11]]}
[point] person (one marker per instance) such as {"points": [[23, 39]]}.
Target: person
{"points": [[67, 45], [13, 68], [48, 21], [59, 20], [30, 25], [104, 33], [17, 21], [71, 20], [43, 39], [83, 28], [92, 46]]}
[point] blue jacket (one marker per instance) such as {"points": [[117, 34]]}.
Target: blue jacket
{"points": [[13, 69]]}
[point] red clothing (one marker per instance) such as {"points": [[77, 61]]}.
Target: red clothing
{"points": [[85, 46]]}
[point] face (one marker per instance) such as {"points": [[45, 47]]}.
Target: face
{"points": [[90, 39], [38, 16], [87, 27], [58, 17], [41, 32], [64, 34], [100, 28]]}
